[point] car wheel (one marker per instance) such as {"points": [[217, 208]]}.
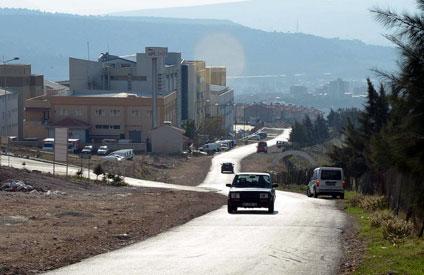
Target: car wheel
{"points": [[308, 193], [271, 209], [231, 210], [315, 193], [334, 196], [342, 196]]}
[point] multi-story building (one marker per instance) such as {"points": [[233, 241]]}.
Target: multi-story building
{"points": [[220, 103], [97, 116], [156, 72], [217, 76], [18, 78], [8, 113], [193, 90]]}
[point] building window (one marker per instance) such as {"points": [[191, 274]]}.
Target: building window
{"points": [[116, 127], [135, 113], [115, 112], [99, 112]]}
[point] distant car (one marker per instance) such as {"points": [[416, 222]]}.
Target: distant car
{"points": [[87, 149], [227, 167], [280, 144], [262, 147], [113, 157], [326, 181], [210, 148], [254, 137], [224, 147], [127, 154], [262, 135], [103, 150], [251, 190]]}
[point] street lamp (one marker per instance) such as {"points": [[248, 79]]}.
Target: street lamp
{"points": [[5, 101]]}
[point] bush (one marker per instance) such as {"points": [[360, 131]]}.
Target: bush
{"points": [[79, 173], [377, 218], [373, 203], [355, 201], [118, 181], [396, 230]]}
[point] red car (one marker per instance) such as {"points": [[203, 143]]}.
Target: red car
{"points": [[262, 147]]}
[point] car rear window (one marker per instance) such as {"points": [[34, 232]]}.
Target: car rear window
{"points": [[252, 181], [331, 175]]}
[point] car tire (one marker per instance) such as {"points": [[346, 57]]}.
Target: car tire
{"points": [[271, 209], [342, 196], [308, 193], [334, 196], [231, 210], [315, 193]]}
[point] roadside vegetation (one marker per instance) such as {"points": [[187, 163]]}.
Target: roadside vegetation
{"points": [[383, 155], [391, 246]]}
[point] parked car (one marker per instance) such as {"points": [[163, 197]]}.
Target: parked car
{"points": [[251, 190], [113, 157], [326, 181], [87, 149], [262, 147], [103, 150], [280, 144], [224, 147], [227, 167], [210, 148], [262, 135], [127, 154], [254, 137]]}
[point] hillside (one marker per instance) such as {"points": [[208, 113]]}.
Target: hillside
{"points": [[347, 19], [47, 40]]}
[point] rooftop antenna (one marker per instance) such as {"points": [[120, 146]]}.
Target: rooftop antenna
{"points": [[297, 25], [88, 50]]}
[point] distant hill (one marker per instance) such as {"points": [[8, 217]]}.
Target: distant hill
{"points": [[46, 40], [347, 19]]}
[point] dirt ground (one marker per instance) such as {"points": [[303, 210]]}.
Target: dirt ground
{"points": [[174, 169], [41, 231], [261, 162]]}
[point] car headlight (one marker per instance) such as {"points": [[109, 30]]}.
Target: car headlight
{"points": [[263, 195], [235, 195]]}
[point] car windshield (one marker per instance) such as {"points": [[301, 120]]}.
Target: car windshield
{"points": [[252, 181], [331, 175]]}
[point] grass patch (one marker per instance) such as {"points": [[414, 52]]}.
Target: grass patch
{"points": [[383, 256]]}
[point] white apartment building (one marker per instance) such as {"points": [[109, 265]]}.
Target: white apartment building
{"points": [[220, 103], [156, 72], [8, 113]]}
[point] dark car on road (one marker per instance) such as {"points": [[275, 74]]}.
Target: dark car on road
{"points": [[262, 147], [251, 190], [227, 167]]}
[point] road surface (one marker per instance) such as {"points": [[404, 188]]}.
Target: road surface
{"points": [[303, 236]]}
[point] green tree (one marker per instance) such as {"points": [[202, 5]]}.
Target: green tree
{"points": [[98, 170]]}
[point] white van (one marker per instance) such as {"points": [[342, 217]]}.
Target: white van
{"points": [[127, 154], [211, 147], [326, 181]]}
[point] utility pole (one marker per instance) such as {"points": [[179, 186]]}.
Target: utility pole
{"points": [[154, 92]]}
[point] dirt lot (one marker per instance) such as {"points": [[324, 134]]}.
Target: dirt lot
{"points": [[40, 232], [261, 162], [176, 169]]}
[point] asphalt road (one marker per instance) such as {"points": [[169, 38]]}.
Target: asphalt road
{"points": [[303, 236]]}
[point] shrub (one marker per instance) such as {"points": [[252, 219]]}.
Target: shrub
{"points": [[355, 201], [118, 181], [377, 218], [98, 170], [396, 230], [373, 203], [79, 173]]}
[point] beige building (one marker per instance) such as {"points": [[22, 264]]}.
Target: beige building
{"points": [[18, 78], [97, 116], [167, 139], [216, 76], [220, 103]]}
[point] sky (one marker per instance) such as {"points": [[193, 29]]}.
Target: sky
{"points": [[96, 7]]}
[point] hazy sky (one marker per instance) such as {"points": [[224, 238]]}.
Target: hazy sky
{"points": [[101, 6]]}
